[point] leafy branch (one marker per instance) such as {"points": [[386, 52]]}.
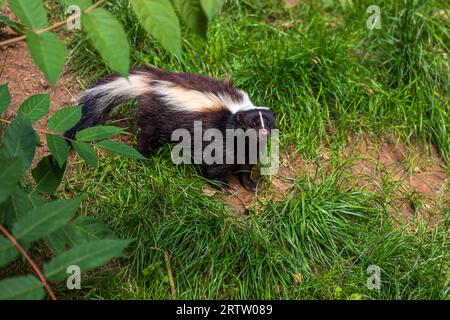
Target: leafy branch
{"points": [[36, 129], [24, 215], [53, 26], [30, 262]]}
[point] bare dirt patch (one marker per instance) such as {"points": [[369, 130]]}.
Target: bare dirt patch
{"points": [[415, 175], [277, 188], [24, 79]]}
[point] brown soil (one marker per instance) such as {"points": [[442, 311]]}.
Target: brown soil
{"points": [[418, 174], [25, 79]]}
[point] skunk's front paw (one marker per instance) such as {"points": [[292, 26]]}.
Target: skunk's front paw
{"points": [[248, 184]]}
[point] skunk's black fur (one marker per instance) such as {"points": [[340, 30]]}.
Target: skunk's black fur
{"points": [[168, 101]]}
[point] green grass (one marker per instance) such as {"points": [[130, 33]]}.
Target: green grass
{"points": [[325, 76], [322, 231]]}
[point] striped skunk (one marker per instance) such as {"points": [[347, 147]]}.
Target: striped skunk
{"points": [[172, 100]]}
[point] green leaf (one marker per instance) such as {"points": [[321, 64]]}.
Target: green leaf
{"points": [[48, 53], [10, 172], [192, 14], [64, 119], [83, 4], [7, 251], [16, 27], [35, 107], [5, 98], [98, 133], [30, 13], [37, 139], [56, 242], [109, 38], [21, 288], [74, 234], [86, 151], [58, 147], [211, 7], [19, 141], [18, 204], [45, 219], [87, 256], [68, 236], [92, 229], [160, 20], [120, 148], [48, 175]]}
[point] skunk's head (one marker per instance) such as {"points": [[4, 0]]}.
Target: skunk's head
{"points": [[261, 120]]}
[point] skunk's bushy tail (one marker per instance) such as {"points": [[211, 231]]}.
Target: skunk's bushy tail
{"points": [[100, 100]]}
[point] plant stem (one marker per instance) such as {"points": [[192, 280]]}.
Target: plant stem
{"points": [[169, 271], [30, 262], [38, 130], [53, 26]]}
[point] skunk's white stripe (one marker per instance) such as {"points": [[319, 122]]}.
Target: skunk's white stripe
{"points": [[184, 99], [262, 121], [131, 87], [196, 101]]}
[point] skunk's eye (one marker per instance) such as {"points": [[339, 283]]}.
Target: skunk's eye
{"points": [[253, 125]]}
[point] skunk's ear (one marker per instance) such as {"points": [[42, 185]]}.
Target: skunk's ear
{"points": [[240, 117]]}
